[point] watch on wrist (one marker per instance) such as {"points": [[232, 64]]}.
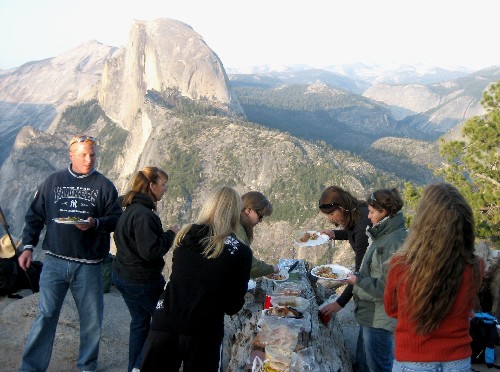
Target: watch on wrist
{"points": [[28, 248]]}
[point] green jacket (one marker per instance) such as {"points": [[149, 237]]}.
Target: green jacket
{"points": [[368, 291], [259, 268]]}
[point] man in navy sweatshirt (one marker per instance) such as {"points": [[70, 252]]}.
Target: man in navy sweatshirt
{"points": [[78, 205]]}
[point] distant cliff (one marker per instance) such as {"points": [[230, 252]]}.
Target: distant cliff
{"points": [[36, 93], [162, 54], [436, 108]]}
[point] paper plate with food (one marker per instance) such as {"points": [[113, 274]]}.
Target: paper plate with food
{"points": [[70, 220], [331, 272], [298, 303], [284, 312], [277, 277], [311, 238]]}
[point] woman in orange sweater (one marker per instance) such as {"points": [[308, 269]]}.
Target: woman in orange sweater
{"points": [[432, 284]]}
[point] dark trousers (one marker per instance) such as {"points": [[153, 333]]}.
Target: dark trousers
{"points": [[165, 351], [141, 300]]}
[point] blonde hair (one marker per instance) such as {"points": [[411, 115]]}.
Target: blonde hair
{"points": [[81, 138], [438, 249], [140, 184], [221, 212], [259, 203]]}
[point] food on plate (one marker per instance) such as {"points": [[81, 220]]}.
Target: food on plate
{"points": [[297, 303], [308, 236], [283, 311], [69, 219], [326, 272], [276, 276]]}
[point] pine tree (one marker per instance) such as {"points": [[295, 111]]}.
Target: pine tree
{"points": [[472, 164]]}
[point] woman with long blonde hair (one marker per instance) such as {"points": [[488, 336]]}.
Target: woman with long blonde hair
{"points": [[210, 273], [433, 283]]}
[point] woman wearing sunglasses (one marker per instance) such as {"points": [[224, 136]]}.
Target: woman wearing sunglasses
{"points": [[374, 351], [255, 207], [344, 210]]}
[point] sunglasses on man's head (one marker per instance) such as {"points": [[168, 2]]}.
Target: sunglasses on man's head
{"points": [[329, 208], [82, 139]]}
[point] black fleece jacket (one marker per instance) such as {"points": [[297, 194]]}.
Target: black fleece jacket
{"points": [[359, 243], [201, 290], [141, 242]]}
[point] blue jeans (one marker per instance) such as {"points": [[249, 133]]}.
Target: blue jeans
{"points": [[85, 283], [462, 365], [374, 350], [141, 300]]}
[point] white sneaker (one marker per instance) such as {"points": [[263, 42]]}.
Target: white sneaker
{"points": [[136, 370]]}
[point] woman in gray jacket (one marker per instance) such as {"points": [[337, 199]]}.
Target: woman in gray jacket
{"points": [[375, 341]]}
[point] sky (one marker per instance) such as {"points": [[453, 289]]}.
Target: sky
{"points": [[317, 33]]}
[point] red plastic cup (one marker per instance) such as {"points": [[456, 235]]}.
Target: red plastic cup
{"points": [[267, 302], [324, 318]]}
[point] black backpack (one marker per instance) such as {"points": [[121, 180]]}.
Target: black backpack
{"points": [[13, 278], [483, 330], [8, 275]]}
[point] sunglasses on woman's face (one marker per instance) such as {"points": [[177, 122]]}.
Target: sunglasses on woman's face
{"points": [[329, 208]]}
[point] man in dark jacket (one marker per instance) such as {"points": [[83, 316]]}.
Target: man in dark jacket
{"points": [[78, 206]]}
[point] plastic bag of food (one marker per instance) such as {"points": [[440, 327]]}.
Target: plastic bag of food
{"points": [[276, 334], [304, 361], [302, 323], [278, 358], [289, 289], [298, 303]]}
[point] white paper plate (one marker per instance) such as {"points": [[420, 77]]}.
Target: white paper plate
{"points": [[283, 274], [70, 222], [321, 239], [299, 303], [341, 271]]}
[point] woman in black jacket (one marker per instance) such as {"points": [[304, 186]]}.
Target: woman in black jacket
{"points": [[141, 244], [344, 210], [210, 273]]}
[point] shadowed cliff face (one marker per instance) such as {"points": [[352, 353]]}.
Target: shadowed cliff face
{"points": [[162, 54], [37, 92]]}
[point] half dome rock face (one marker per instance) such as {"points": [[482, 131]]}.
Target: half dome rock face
{"points": [[163, 54]]}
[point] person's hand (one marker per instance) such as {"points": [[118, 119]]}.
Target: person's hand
{"points": [[328, 232], [352, 279], [276, 269], [331, 309], [175, 228], [85, 226], [25, 259]]}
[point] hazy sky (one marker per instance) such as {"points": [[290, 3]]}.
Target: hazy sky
{"points": [[274, 32]]}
